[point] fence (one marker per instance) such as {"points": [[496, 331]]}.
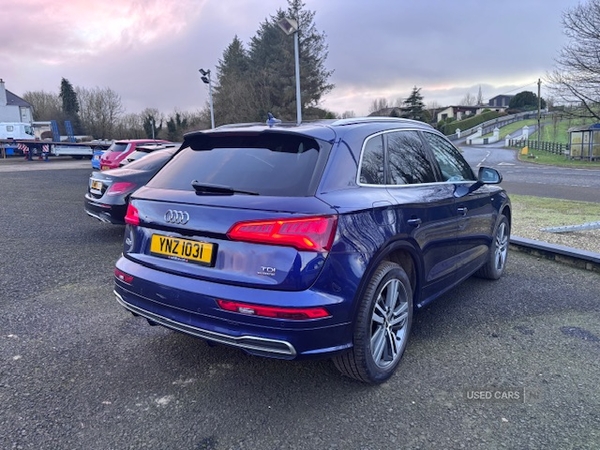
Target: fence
{"points": [[555, 148]]}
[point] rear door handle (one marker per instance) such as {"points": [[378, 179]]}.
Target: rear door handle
{"points": [[415, 222], [462, 210]]}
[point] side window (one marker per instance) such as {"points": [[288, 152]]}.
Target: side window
{"points": [[371, 166], [408, 163], [452, 164]]}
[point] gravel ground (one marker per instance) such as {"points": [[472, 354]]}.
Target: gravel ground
{"points": [[583, 240]]}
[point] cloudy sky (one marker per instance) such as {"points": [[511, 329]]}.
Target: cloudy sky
{"points": [[149, 51]]}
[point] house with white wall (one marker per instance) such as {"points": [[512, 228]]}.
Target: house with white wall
{"points": [[13, 108], [458, 112]]}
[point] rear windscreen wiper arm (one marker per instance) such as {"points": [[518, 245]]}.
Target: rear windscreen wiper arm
{"points": [[217, 189]]}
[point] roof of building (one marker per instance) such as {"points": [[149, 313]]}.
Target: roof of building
{"points": [[470, 107], [15, 100], [594, 126]]}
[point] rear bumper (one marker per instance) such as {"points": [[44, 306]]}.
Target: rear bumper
{"points": [[106, 165], [189, 306], [114, 214], [252, 344]]}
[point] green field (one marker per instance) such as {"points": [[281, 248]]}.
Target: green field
{"points": [[542, 157], [512, 127], [554, 129]]}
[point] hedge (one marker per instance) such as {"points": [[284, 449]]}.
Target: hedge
{"points": [[450, 128]]}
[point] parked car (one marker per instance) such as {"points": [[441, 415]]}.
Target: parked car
{"points": [[119, 150], [96, 158], [108, 191], [310, 241], [145, 150]]}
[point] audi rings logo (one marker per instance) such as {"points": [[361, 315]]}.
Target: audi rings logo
{"points": [[177, 217]]}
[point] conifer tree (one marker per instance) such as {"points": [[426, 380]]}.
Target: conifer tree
{"points": [[70, 104], [413, 107]]}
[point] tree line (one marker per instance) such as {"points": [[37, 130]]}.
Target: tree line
{"points": [[99, 113], [255, 79], [250, 82]]}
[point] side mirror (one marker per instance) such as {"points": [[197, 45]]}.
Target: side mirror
{"points": [[487, 175]]}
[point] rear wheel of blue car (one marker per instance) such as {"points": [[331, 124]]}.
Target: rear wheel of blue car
{"points": [[382, 326], [494, 266]]}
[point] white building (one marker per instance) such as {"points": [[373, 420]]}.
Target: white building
{"points": [[13, 108]]}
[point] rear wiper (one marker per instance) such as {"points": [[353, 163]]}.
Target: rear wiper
{"points": [[217, 189]]}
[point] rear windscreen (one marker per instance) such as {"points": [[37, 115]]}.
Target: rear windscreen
{"points": [[116, 147], [267, 163], [152, 161]]}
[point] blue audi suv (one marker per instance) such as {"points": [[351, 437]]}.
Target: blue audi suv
{"points": [[316, 240]]}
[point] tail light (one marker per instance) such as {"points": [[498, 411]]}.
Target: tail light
{"points": [[120, 187], [307, 233], [275, 312], [124, 277], [132, 217]]}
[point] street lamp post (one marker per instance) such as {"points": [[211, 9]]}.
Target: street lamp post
{"points": [[207, 80], [290, 26]]}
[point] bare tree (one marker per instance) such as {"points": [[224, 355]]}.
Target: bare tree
{"points": [[46, 105], [152, 122], [378, 105], [468, 100], [434, 108], [348, 115], [576, 76], [129, 126], [99, 110]]}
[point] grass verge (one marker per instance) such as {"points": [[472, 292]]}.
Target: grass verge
{"points": [[531, 215], [552, 212], [542, 157]]}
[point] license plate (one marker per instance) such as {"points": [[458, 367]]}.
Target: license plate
{"points": [[104, 168], [97, 185], [182, 249]]}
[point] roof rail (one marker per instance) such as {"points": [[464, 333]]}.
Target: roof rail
{"points": [[332, 122], [358, 120]]}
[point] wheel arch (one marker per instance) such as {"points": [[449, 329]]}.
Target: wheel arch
{"points": [[506, 211], [401, 252]]}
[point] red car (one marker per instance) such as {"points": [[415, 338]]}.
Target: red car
{"points": [[118, 151]]}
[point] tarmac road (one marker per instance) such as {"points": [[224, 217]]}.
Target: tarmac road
{"points": [[79, 372], [527, 178]]}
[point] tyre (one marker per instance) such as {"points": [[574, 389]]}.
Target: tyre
{"points": [[496, 262], [382, 326]]}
